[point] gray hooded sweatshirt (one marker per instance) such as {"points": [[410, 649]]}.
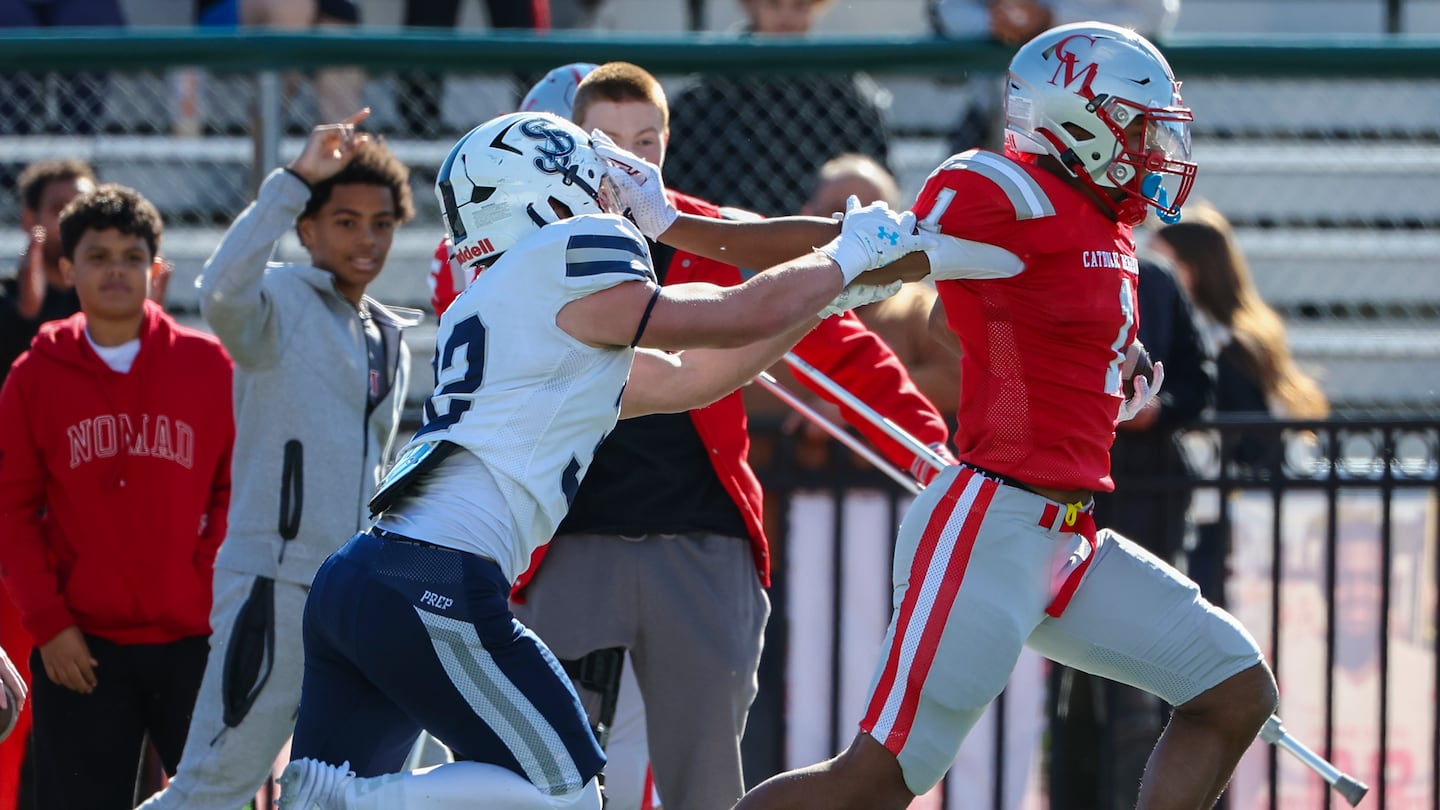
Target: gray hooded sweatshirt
{"points": [[307, 455]]}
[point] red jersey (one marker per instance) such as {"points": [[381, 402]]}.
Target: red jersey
{"points": [[447, 278], [1041, 351]]}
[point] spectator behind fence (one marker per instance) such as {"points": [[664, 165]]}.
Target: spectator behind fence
{"points": [[1102, 732], [39, 292], [115, 438], [320, 380], [187, 90], [337, 90], [79, 97], [420, 93], [1012, 22], [671, 503], [756, 142], [1255, 372]]}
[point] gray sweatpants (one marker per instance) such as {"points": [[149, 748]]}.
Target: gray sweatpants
{"points": [[222, 768], [691, 611]]}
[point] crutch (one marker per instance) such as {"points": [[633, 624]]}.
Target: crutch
{"points": [[1351, 788], [1273, 732], [599, 671]]}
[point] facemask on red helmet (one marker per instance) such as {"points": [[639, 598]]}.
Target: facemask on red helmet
{"points": [[1104, 102]]}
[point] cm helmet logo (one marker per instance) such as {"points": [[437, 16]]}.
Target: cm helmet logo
{"points": [[1075, 69], [555, 148]]}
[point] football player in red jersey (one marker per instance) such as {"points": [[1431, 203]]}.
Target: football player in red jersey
{"points": [[1001, 550]]}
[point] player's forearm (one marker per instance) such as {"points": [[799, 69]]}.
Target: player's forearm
{"points": [[752, 244], [705, 316], [698, 377]]}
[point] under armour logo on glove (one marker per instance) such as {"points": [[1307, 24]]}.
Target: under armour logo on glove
{"points": [[873, 236]]}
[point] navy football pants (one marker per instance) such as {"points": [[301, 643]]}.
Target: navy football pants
{"points": [[402, 636]]}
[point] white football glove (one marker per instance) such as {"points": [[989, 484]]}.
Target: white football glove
{"points": [[873, 236], [1144, 392], [858, 295], [953, 258], [637, 186]]}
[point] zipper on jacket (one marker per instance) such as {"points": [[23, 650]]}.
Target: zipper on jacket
{"points": [[292, 491]]}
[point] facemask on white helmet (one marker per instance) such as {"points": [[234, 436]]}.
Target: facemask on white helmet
{"points": [[511, 176], [1104, 102]]}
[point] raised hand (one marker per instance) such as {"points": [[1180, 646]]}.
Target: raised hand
{"points": [[32, 275], [161, 269], [873, 236], [331, 148], [637, 187]]}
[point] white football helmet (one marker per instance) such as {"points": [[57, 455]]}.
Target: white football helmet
{"points": [[500, 182], [1074, 89], [556, 92]]}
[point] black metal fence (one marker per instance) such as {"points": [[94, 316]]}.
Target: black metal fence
{"points": [[1324, 534]]}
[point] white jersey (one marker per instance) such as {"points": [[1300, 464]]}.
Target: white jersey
{"points": [[517, 391]]}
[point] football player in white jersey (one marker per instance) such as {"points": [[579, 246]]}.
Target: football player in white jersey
{"points": [[408, 625]]}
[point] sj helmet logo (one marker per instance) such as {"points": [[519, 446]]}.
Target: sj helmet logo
{"points": [[1072, 67], [555, 148]]}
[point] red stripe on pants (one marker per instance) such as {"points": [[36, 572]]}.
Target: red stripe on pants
{"points": [[955, 565]]}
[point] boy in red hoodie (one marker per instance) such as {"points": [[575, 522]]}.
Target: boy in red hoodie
{"points": [[115, 436]]}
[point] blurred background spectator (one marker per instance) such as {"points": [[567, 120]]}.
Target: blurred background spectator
{"points": [[1256, 372], [755, 142], [337, 90], [39, 291], [71, 102], [420, 92], [187, 84]]}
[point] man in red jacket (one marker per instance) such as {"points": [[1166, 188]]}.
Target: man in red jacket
{"points": [[115, 439], [663, 551]]}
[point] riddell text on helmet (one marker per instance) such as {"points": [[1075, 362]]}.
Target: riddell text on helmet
{"points": [[470, 253]]}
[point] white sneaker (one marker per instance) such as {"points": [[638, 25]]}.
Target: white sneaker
{"points": [[309, 784]]}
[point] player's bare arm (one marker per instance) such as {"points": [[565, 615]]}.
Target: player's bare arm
{"points": [[697, 315], [661, 382], [639, 190]]}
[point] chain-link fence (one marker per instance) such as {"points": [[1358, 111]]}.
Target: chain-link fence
{"points": [[1327, 179]]}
